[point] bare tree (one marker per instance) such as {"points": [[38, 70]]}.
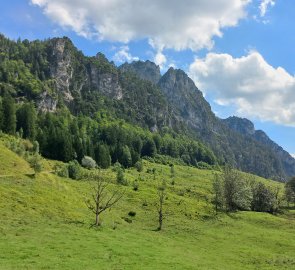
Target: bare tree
{"points": [[161, 200], [102, 198]]}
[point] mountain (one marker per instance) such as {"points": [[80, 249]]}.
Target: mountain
{"points": [[246, 128], [55, 75], [232, 141]]}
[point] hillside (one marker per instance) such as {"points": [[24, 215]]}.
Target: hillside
{"points": [[59, 79], [45, 224]]}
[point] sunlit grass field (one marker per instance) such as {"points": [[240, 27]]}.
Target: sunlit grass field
{"points": [[45, 224]]}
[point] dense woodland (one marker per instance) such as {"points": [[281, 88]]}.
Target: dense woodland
{"points": [[64, 137]]}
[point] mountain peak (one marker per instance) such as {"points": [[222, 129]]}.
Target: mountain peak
{"points": [[241, 125], [146, 70]]}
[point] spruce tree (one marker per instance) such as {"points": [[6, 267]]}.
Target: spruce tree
{"points": [[26, 119], [9, 115], [1, 115]]}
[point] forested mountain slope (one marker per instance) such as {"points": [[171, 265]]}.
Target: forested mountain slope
{"points": [[75, 93]]}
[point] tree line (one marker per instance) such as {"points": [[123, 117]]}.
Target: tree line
{"points": [[65, 137]]}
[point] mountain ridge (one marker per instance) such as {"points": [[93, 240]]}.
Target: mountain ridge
{"points": [[139, 94]]}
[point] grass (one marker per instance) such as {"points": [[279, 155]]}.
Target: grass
{"points": [[45, 225]]}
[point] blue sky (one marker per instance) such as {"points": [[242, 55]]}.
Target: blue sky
{"points": [[240, 53]]}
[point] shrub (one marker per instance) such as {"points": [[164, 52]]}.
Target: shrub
{"points": [[132, 214], [35, 162], [63, 171], [88, 162], [139, 166], [135, 185], [74, 169], [121, 178]]}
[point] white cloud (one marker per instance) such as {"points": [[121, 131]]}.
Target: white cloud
{"points": [[187, 24], [123, 55], [293, 155], [256, 88], [160, 59], [264, 6]]}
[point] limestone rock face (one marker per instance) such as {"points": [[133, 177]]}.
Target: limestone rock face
{"points": [[61, 68], [145, 70], [46, 103], [188, 101], [241, 125], [106, 83]]}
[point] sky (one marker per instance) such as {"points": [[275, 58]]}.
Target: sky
{"points": [[240, 53]]}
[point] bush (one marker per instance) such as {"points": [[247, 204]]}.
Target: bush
{"points": [[135, 185], [263, 199], [62, 171], [121, 179], [88, 162], [132, 214], [117, 166], [35, 162], [139, 166], [74, 169]]}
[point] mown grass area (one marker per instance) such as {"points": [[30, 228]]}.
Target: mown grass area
{"points": [[45, 224]]}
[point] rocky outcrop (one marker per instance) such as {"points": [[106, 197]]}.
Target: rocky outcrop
{"points": [[61, 69], [241, 125], [186, 99], [105, 82], [145, 70], [46, 103], [246, 128]]}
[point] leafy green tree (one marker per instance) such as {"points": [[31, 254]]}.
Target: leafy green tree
{"points": [[26, 120], [218, 193], [102, 156], [9, 115], [263, 199], [1, 114], [35, 162], [139, 166], [237, 191], [74, 170], [121, 178], [290, 191], [149, 148], [126, 159]]}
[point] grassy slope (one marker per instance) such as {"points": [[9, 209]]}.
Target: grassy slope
{"points": [[45, 225]]}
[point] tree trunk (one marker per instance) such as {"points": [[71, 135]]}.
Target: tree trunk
{"points": [[160, 220], [97, 221]]}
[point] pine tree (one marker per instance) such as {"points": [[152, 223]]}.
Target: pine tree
{"points": [[9, 115], [126, 159], [1, 115], [26, 119], [102, 156]]}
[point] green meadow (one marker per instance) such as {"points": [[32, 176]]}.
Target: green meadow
{"points": [[45, 224]]}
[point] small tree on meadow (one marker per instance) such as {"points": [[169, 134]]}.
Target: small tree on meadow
{"points": [[35, 162], [121, 177], [290, 191], [218, 193], [160, 204], [103, 197]]}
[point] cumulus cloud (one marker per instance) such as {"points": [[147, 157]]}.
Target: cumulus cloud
{"points": [[123, 55], [160, 59], [187, 24], [250, 83], [264, 6]]}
